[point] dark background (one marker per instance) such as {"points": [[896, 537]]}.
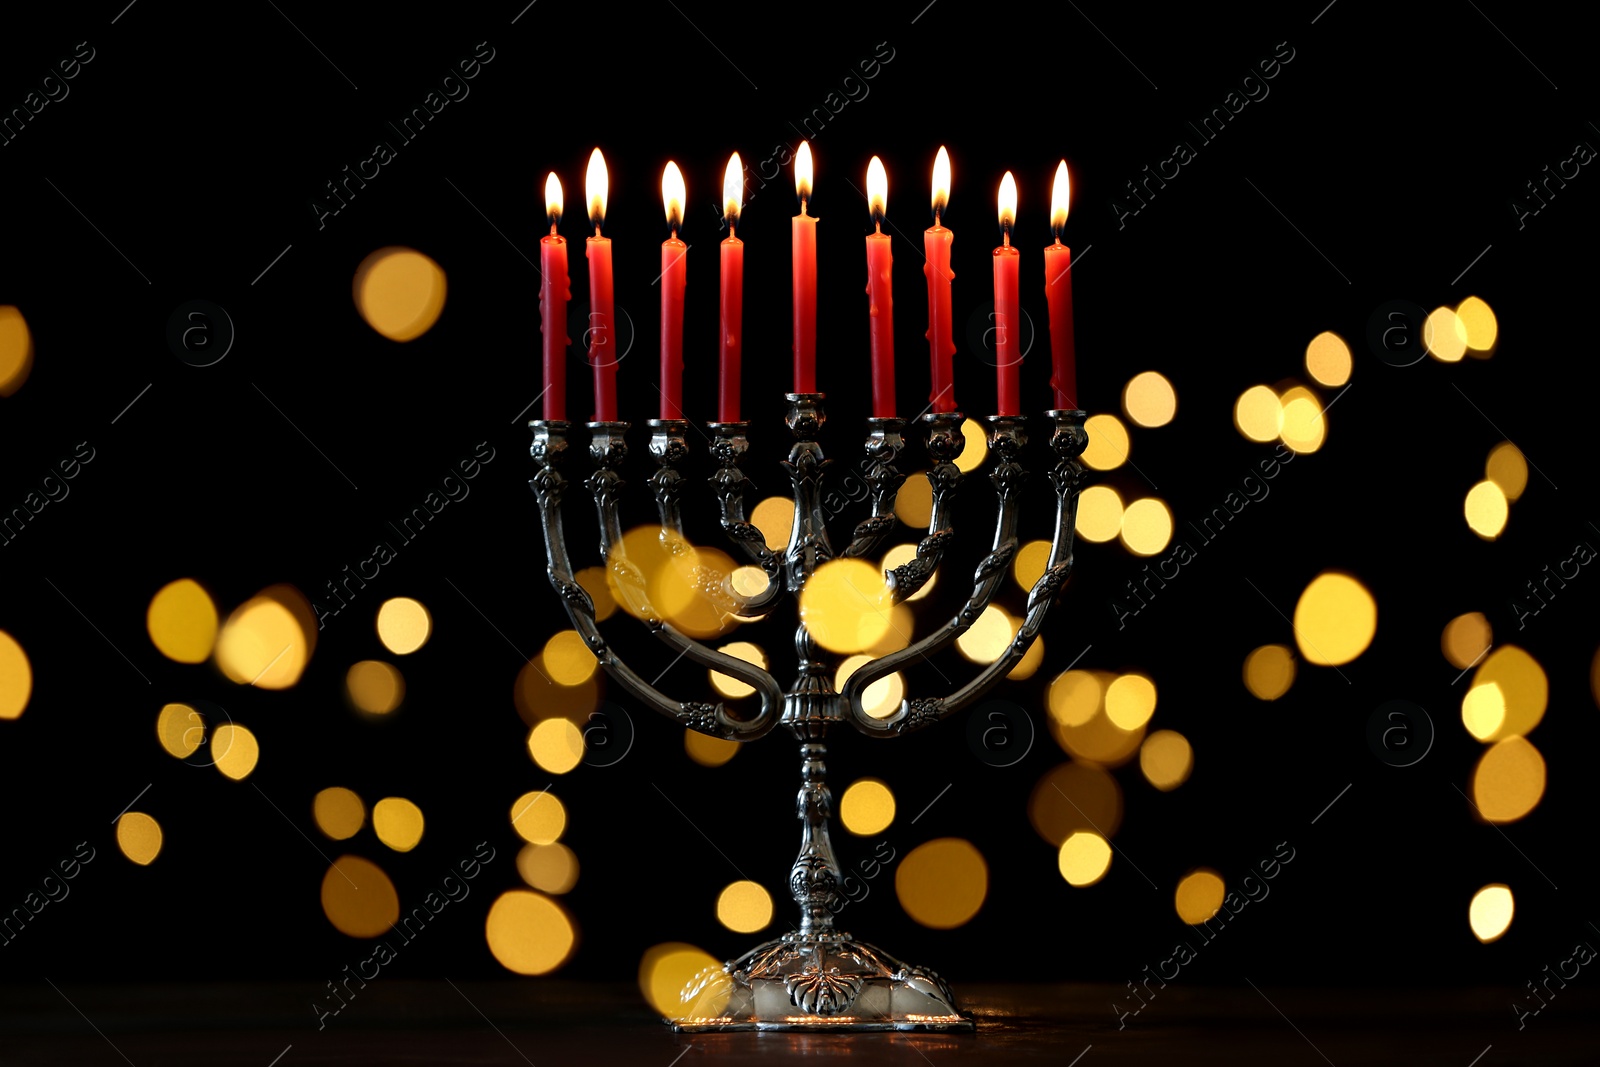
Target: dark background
{"points": [[196, 141]]}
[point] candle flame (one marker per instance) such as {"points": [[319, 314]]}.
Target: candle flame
{"points": [[877, 189], [595, 183], [733, 190], [1008, 203], [673, 194], [941, 182], [552, 199], [802, 174], [1060, 197]]}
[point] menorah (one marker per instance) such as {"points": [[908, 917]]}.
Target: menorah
{"points": [[817, 977]]}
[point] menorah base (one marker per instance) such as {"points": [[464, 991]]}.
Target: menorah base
{"points": [[826, 982]]}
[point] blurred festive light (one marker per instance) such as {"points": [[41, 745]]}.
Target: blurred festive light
{"points": [[1508, 781], [681, 981], [1149, 400], [556, 745], [774, 517], [1491, 911], [898, 634], [1304, 423], [1099, 513], [1084, 858], [1328, 359], [1030, 662], [1166, 758], [567, 658], [1269, 672], [398, 823], [986, 640], [1258, 414], [1098, 740], [549, 868], [709, 751], [1477, 319], [942, 883], [1523, 686], [234, 750], [1486, 510], [16, 350], [913, 505], [1335, 619], [400, 292], [593, 581], [1029, 565], [657, 574], [528, 932], [1507, 468], [744, 907], [139, 837], [267, 641], [900, 555], [538, 698], [1466, 638], [404, 625], [976, 449], [845, 605], [1072, 797], [539, 818], [867, 807], [180, 729], [182, 621], [1445, 335], [1108, 442], [339, 812], [1199, 896], [1074, 697], [1130, 701], [730, 686], [1483, 710], [375, 687], [708, 606], [882, 697], [16, 677], [358, 898], [1146, 526]]}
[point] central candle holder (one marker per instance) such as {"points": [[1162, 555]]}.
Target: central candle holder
{"points": [[816, 977]]}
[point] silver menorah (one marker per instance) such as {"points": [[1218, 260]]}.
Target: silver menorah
{"points": [[817, 977]]}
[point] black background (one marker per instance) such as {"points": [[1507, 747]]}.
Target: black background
{"points": [[196, 141]]}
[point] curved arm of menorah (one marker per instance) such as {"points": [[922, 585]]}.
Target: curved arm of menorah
{"points": [[549, 486], [729, 446], [914, 713], [883, 481], [945, 444]]}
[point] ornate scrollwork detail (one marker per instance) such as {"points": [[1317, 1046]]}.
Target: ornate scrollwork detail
{"points": [[548, 486], [920, 712], [1049, 584], [995, 561], [701, 718], [820, 992], [572, 593], [812, 880]]}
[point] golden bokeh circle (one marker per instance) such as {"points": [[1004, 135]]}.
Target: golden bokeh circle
{"points": [[528, 932], [942, 883], [400, 292], [358, 898]]}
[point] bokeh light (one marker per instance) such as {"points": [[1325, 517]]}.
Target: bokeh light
{"points": [[1029, 566], [899, 556], [180, 729], [528, 932], [1304, 423], [709, 751], [867, 807], [976, 449], [1466, 638], [1508, 781], [1269, 671], [358, 898], [1130, 701], [400, 292], [681, 981], [1108, 442], [398, 823], [593, 581], [1072, 797], [139, 837], [16, 677], [657, 574], [1166, 758], [1149, 400], [539, 818], [744, 907], [549, 868], [537, 698], [1477, 319], [1486, 510], [1483, 710], [1084, 858], [182, 621], [898, 634], [774, 517], [1445, 335], [1335, 619], [1074, 697], [1096, 739], [1146, 526], [1507, 468], [16, 350], [986, 639], [1030, 662], [567, 658], [1523, 686], [267, 641], [1258, 414], [1198, 896], [556, 745], [726, 684], [404, 625], [1491, 911], [1328, 359], [942, 883], [845, 605], [338, 812], [881, 698], [375, 687], [1099, 513], [913, 504], [234, 750]]}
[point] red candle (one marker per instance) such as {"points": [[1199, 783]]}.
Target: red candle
{"points": [[936, 241], [732, 295], [555, 290], [674, 275], [1058, 290], [804, 254], [599, 332], [1007, 312], [880, 294]]}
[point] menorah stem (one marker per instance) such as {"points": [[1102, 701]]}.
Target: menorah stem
{"points": [[815, 878]]}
